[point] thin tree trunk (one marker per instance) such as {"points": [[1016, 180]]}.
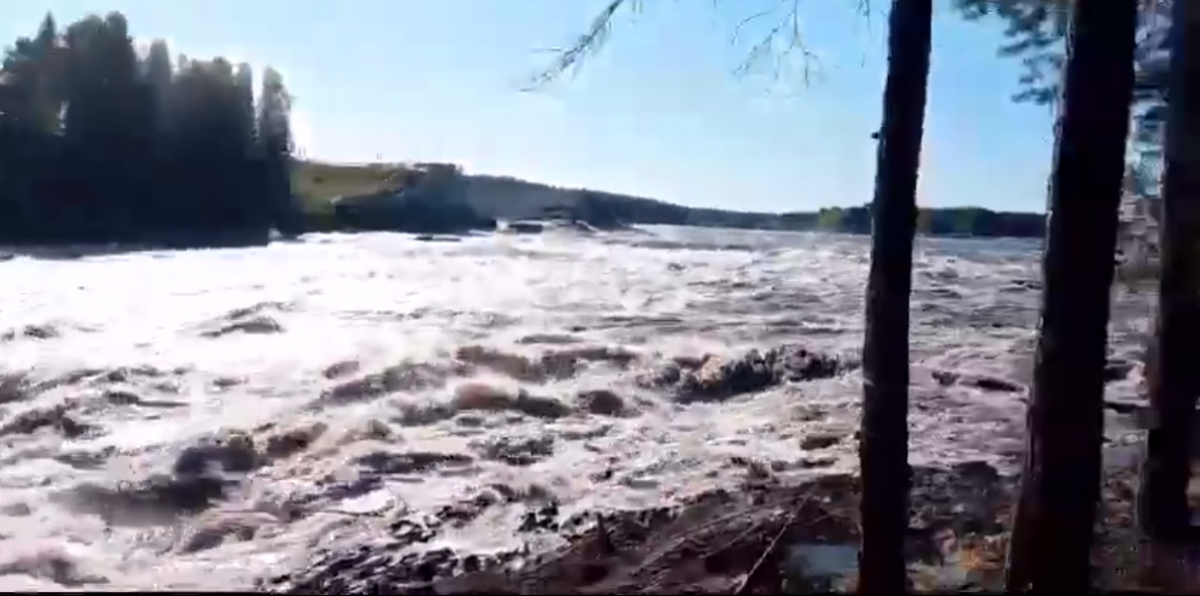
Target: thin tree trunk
{"points": [[1060, 486], [1163, 509], [883, 451]]}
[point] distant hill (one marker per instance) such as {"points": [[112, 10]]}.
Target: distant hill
{"points": [[502, 197]]}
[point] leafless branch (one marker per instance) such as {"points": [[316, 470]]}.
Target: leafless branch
{"points": [[568, 59], [780, 41], [746, 21], [783, 39]]}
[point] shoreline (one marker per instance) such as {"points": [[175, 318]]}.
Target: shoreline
{"points": [[763, 536]]}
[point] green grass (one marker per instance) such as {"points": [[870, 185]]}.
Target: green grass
{"points": [[318, 183]]}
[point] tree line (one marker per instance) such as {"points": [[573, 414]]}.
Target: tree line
{"points": [[950, 221], [105, 141], [608, 210]]}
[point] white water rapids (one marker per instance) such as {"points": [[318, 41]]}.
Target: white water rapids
{"points": [[128, 359]]}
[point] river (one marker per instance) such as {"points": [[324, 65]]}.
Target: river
{"points": [[375, 372]]}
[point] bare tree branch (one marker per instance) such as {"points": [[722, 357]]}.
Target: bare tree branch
{"points": [[568, 59], [746, 21], [787, 31], [783, 39]]}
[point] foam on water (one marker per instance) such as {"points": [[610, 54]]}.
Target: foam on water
{"points": [[382, 299]]}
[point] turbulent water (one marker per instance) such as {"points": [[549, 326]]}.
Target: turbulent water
{"points": [[375, 372]]}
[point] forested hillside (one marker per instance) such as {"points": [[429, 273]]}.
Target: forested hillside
{"points": [[103, 141]]}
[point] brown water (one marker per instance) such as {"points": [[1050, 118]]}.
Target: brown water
{"points": [[374, 374]]}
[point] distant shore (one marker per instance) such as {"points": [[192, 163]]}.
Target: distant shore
{"points": [[319, 185], [436, 199]]}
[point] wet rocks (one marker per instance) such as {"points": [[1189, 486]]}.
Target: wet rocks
{"points": [[84, 460], [994, 384], [512, 365], [368, 571], [548, 339], [15, 387], [969, 498], [422, 413], [551, 365], [664, 376], [293, 441], [122, 398], [411, 462], [369, 430], [1116, 369], [158, 499], [818, 441], [37, 332], [19, 509], [705, 544], [1027, 284], [602, 402], [539, 406], [618, 357], [234, 452], [52, 565], [405, 376], [337, 488], [253, 320], [413, 528], [554, 364], [217, 527], [126, 374], [259, 325], [481, 396], [223, 383], [341, 369], [516, 451], [56, 418], [715, 378], [202, 475], [118, 397], [947, 378], [256, 309], [486, 397]]}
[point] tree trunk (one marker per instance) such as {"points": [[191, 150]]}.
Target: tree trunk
{"points": [[1060, 486], [883, 451], [1163, 510]]}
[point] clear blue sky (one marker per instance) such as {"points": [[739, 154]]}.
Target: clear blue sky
{"points": [[659, 112]]}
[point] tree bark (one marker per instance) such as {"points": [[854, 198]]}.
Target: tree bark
{"points": [[883, 451], [1163, 510], [1060, 486]]}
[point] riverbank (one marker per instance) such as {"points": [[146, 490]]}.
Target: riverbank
{"points": [[762, 537]]}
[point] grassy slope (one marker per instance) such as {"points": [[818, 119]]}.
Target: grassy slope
{"points": [[317, 183]]}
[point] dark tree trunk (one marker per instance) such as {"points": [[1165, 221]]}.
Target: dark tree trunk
{"points": [[1060, 486], [883, 451], [1163, 508]]}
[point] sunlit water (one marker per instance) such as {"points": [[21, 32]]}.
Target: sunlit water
{"points": [[383, 299]]}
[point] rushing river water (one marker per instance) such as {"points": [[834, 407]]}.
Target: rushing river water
{"points": [[331, 381]]}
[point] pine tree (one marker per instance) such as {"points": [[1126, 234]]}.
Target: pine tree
{"points": [[1060, 485]]}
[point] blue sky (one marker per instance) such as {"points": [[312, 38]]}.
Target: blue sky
{"points": [[659, 112]]}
